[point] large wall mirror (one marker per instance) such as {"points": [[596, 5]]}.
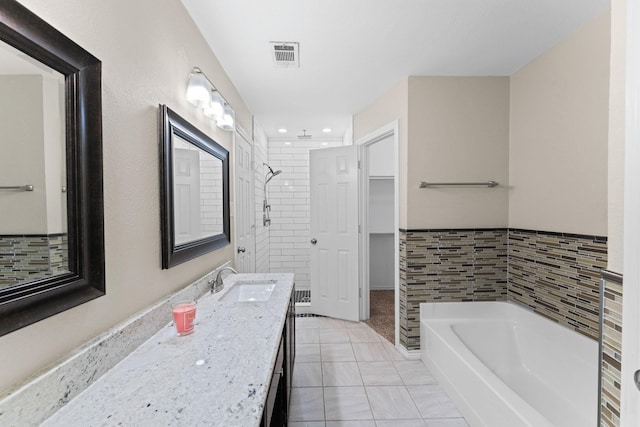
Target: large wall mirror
{"points": [[194, 180], [51, 204]]}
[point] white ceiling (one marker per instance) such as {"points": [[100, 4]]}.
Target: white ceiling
{"points": [[352, 51]]}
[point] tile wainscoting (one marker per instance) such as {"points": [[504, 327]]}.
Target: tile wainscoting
{"points": [[448, 265], [31, 257], [611, 349], [555, 274]]}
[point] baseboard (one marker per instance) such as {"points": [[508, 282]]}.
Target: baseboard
{"points": [[409, 354]]}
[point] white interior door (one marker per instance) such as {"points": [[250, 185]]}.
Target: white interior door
{"points": [[186, 195], [334, 232], [244, 217]]}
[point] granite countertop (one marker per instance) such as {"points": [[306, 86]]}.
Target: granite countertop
{"points": [[217, 376]]}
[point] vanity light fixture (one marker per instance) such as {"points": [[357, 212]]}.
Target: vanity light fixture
{"points": [[214, 109], [228, 118], [326, 130], [198, 89], [282, 130], [203, 94]]}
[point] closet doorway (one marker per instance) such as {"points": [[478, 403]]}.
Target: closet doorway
{"points": [[379, 239]]}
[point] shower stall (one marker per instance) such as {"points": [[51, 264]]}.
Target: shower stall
{"points": [[286, 209], [301, 296]]}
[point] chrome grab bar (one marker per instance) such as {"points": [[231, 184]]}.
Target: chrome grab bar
{"points": [[490, 184], [27, 187]]}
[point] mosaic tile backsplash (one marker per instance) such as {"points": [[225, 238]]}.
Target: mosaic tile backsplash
{"points": [[611, 347], [24, 258], [556, 275], [448, 265]]}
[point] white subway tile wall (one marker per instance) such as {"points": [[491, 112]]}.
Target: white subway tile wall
{"points": [[288, 195], [260, 151]]}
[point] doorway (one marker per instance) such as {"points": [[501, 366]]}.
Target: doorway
{"points": [[343, 187], [379, 237]]}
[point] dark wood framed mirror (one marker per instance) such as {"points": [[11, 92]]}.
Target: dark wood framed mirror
{"points": [[80, 276], [194, 190]]}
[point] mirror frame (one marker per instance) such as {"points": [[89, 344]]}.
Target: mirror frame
{"points": [[27, 303], [172, 124]]}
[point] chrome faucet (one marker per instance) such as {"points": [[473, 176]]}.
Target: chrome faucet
{"points": [[217, 284]]}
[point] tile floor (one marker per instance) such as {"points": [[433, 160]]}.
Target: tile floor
{"points": [[346, 375]]}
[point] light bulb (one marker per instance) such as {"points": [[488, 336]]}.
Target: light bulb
{"points": [[198, 89], [227, 121], [214, 109]]}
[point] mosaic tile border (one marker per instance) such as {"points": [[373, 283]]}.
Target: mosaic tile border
{"points": [[31, 257], [554, 274], [610, 350], [448, 265], [557, 275]]}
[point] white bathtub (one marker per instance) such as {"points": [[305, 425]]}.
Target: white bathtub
{"points": [[505, 366]]}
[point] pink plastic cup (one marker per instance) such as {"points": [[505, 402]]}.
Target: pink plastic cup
{"points": [[184, 313]]}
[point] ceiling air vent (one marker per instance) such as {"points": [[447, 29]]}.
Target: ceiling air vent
{"points": [[285, 54]]}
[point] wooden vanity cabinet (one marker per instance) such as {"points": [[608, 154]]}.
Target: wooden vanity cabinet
{"points": [[277, 405], [273, 409], [290, 343]]}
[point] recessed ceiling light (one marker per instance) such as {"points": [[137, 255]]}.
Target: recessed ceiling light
{"points": [[326, 130], [287, 143], [282, 130], [325, 143]]}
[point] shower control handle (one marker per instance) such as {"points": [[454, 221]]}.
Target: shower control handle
{"points": [[314, 241], [241, 250]]}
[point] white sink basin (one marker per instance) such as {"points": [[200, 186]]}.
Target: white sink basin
{"points": [[250, 291]]}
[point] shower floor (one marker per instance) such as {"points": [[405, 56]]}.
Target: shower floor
{"points": [[302, 296]]}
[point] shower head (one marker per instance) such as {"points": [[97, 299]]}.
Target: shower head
{"points": [[269, 176], [269, 167]]}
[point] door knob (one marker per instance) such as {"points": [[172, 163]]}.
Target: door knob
{"points": [[314, 241], [241, 250]]}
